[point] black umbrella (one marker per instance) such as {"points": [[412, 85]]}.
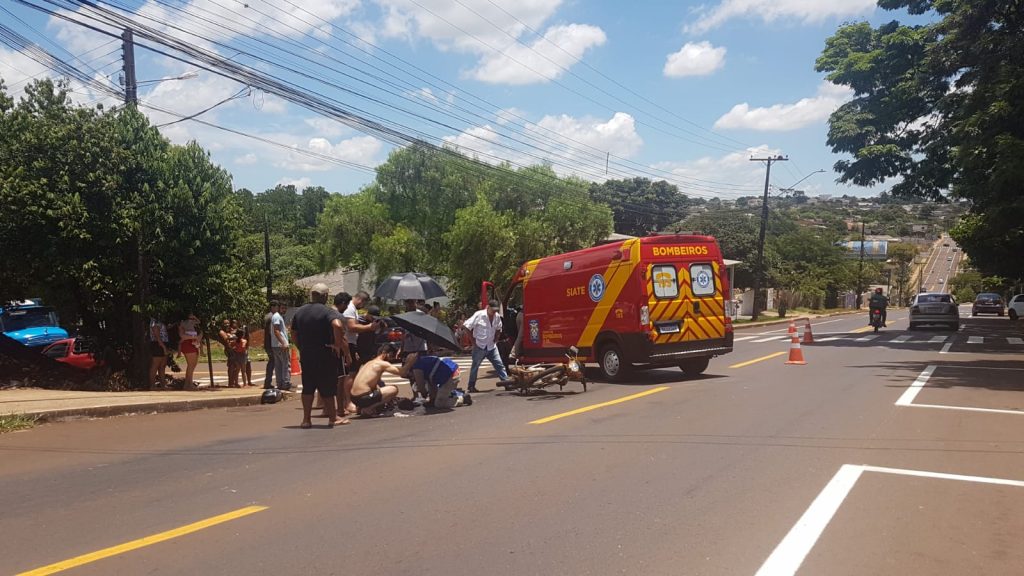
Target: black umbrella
{"points": [[427, 327], [409, 286]]}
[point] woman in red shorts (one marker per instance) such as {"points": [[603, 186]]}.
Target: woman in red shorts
{"points": [[188, 330]]}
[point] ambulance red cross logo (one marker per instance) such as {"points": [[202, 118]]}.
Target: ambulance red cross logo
{"points": [[596, 287]]}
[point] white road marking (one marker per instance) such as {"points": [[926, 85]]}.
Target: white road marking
{"points": [[975, 340], [945, 349], [801, 538], [969, 409], [938, 339], [741, 339], [832, 339], [944, 476], [908, 396], [773, 339], [867, 338], [791, 552], [900, 339], [1016, 341]]}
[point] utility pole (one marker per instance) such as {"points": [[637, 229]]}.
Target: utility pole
{"points": [[266, 256], [131, 87], [860, 270], [759, 275]]}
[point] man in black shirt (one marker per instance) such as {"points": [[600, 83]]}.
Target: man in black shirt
{"points": [[319, 351]]}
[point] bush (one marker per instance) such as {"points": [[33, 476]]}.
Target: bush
{"points": [[965, 295]]}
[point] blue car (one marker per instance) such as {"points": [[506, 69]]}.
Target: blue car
{"points": [[30, 323]]}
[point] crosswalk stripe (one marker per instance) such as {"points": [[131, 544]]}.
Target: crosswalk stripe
{"points": [[774, 339], [867, 338], [901, 339], [1017, 341], [939, 339], [831, 339], [743, 338], [975, 340]]}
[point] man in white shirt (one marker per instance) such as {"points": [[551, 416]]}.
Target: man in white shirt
{"points": [[281, 349], [485, 325]]}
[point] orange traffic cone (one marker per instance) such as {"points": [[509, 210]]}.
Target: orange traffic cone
{"points": [[296, 367], [796, 355], [792, 327], [808, 335]]}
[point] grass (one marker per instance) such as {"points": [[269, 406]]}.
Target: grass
{"points": [[12, 422]]}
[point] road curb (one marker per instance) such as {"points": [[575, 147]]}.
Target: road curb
{"points": [[145, 408]]}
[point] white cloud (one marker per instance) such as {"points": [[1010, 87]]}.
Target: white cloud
{"points": [[807, 11], [546, 59], [785, 117], [363, 150], [299, 183], [511, 115], [247, 159], [706, 175], [694, 59], [572, 145], [326, 126], [492, 32]]}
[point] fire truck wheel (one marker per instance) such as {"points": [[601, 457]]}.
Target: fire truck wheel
{"points": [[613, 367], [693, 367]]}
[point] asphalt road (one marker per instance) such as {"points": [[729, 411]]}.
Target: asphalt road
{"points": [[942, 264], [895, 453]]}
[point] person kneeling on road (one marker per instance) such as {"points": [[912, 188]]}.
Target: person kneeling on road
{"points": [[439, 376], [367, 393]]}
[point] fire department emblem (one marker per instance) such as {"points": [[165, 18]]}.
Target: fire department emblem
{"points": [[596, 287], [703, 279], [535, 331]]}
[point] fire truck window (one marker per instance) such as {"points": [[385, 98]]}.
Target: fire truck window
{"points": [[664, 280], [702, 278]]}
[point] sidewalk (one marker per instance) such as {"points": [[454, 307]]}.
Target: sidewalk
{"points": [[49, 405], [53, 405], [773, 319]]}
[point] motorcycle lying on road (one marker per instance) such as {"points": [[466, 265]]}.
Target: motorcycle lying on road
{"points": [[876, 319], [540, 376]]}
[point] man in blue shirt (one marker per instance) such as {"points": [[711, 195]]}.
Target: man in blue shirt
{"points": [[438, 375]]}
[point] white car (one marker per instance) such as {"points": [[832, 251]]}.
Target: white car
{"points": [[1015, 309]]}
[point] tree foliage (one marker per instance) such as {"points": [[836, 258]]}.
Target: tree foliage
{"points": [[641, 207], [108, 221], [940, 107], [444, 214]]}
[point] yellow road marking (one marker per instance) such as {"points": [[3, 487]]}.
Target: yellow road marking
{"points": [[601, 405], [142, 542], [756, 360]]}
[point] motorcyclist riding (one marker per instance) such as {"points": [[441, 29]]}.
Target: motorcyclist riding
{"points": [[879, 302]]}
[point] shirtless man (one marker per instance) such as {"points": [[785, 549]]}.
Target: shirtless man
{"points": [[367, 393]]}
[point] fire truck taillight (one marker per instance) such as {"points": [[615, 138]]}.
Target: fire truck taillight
{"points": [[645, 316], [728, 325]]}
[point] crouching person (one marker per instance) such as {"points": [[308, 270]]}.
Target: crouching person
{"points": [[367, 393], [438, 375]]}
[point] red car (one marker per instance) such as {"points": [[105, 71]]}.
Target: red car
{"points": [[74, 352]]}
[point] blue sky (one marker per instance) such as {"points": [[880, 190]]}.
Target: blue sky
{"points": [[684, 91]]}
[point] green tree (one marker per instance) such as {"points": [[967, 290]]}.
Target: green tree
{"points": [[479, 245], [113, 223], [347, 225], [938, 107], [641, 207]]}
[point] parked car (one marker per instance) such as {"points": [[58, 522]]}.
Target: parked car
{"points": [[988, 303], [1016, 307], [75, 352], [31, 323], [934, 308]]}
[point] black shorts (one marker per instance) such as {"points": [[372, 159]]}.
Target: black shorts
{"points": [[319, 374], [156, 351], [326, 385], [368, 399]]}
